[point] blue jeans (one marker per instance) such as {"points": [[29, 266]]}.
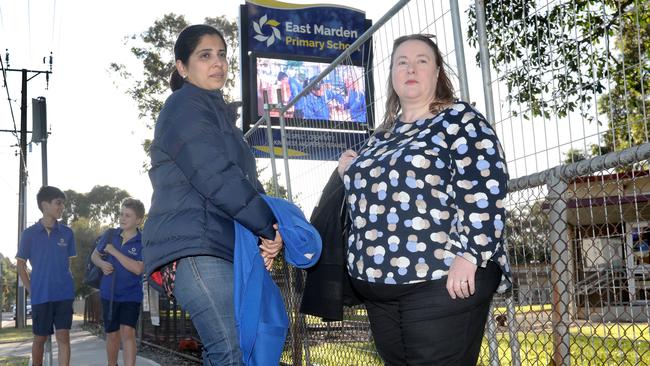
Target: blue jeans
{"points": [[204, 287]]}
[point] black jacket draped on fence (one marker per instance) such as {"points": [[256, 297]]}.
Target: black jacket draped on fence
{"points": [[328, 286]]}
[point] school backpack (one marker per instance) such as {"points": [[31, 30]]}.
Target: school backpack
{"points": [[93, 274]]}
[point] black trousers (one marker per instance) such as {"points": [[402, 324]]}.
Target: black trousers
{"points": [[420, 324]]}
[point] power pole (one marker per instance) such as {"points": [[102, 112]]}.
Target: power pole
{"points": [[22, 174]]}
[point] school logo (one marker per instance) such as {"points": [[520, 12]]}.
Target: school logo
{"points": [[275, 32], [62, 243], [133, 252]]}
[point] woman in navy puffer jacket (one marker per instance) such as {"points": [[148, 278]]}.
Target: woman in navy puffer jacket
{"points": [[204, 177]]}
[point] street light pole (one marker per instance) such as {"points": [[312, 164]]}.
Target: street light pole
{"points": [[22, 185], [22, 174]]}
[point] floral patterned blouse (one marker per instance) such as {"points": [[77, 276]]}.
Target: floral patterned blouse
{"points": [[422, 193]]}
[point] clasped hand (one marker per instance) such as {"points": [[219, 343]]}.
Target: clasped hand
{"points": [[106, 267], [345, 160], [270, 248]]}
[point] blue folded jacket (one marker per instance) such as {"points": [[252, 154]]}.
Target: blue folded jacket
{"points": [[259, 309]]}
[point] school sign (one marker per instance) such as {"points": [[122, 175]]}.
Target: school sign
{"points": [[322, 31]]}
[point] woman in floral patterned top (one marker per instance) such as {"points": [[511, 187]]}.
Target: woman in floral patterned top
{"points": [[425, 197]]}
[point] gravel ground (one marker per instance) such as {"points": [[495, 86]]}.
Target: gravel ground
{"points": [[164, 358]]}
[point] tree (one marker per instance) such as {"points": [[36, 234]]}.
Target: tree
{"points": [[154, 48], [556, 59], [527, 234], [100, 206], [89, 214], [85, 234], [8, 284], [628, 102], [575, 155]]}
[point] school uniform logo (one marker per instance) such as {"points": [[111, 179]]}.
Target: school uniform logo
{"points": [[62, 243], [133, 252]]}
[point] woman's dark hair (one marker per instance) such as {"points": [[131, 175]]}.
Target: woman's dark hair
{"points": [[444, 89], [282, 75], [186, 44]]}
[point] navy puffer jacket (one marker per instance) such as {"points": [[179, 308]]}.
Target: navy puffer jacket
{"points": [[203, 176]]}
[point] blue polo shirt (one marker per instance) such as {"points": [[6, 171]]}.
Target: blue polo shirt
{"points": [[49, 256], [128, 286]]}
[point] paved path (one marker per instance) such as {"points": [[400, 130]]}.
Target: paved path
{"points": [[87, 349]]}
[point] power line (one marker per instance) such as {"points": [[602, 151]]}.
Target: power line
{"points": [[2, 22], [13, 117], [29, 28], [53, 22]]}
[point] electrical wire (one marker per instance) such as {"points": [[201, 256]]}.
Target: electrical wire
{"points": [[53, 22], [13, 117], [11, 109], [2, 22], [29, 28]]}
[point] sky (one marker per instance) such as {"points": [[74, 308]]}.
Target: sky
{"points": [[96, 135]]}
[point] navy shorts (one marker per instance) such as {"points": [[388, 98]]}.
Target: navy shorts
{"points": [[124, 313], [50, 315]]}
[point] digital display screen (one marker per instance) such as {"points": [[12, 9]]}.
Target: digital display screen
{"points": [[341, 96]]}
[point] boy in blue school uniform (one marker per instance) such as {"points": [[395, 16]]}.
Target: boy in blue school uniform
{"points": [[121, 286], [316, 103], [48, 245]]}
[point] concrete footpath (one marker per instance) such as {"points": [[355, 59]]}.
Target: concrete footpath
{"points": [[87, 349]]}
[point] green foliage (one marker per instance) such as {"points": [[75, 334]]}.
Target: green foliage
{"points": [[538, 51], [575, 155], [558, 58], [527, 234], [89, 214], [100, 206], [586, 349], [627, 103], [8, 283], [154, 49], [269, 187], [13, 334], [14, 360], [338, 354], [85, 233]]}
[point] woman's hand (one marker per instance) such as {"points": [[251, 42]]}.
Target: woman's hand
{"points": [[270, 248], [345, 160], [460, 280]]}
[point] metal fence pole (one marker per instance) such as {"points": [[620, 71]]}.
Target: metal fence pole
{"points": [[285, 148], [459, 50], [269, 137], [560, 273], [298, 319], [493, 343], [48, 359], [484, 53], [513, 328]]}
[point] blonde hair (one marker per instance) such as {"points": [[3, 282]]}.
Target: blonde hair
{"points": [[444, 89]]}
